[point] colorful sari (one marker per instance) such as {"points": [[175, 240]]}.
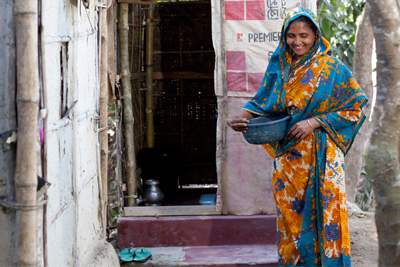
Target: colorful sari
{"points": [[308, 177]]}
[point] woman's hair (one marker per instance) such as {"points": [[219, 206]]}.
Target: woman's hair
{"points": [[307, 21]]}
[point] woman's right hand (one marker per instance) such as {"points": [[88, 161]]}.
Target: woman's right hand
{"points": [[238, 123]]}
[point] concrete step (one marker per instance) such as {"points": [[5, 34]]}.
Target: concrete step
{"points": [[185, 231], [212, 256]]}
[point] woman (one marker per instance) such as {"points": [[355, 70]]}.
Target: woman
{"points": [[325, 104]]}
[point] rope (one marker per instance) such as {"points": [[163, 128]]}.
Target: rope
{"points": [[20, 206]]}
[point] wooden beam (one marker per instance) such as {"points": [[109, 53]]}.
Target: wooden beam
{"points": [[183, 75], [170, 210], [138, 76]]}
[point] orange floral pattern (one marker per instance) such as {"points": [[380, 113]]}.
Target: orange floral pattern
{"points": [[291, 179]]}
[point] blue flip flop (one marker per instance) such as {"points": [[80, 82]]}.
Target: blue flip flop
{"points": [[141, 255], [127, 254]]}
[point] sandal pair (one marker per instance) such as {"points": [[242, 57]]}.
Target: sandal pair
{"points": [[134, 254]]}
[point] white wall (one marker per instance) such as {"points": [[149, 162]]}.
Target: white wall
{"points": [[74, 225], [248, 171]]}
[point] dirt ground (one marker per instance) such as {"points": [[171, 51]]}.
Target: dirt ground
{"points": [[363, 237]]}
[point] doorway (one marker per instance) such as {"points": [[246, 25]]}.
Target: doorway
{"points": [[185, 105]]}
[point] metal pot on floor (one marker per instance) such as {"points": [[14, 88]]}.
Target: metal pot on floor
{"points": [[153, 195]]}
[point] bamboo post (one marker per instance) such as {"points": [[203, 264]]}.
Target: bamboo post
{"points": [[149, 75], [222, 184], [139, 70], [128, 120], [103, 111], [26, 32]]}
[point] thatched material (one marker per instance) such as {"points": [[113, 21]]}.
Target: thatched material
{"points": [[185, 105]]}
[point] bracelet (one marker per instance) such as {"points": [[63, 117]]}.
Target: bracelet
{"points": [[310, 124]]}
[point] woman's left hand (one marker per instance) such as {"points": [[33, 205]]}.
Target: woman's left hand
{"points": [[302, 129]]}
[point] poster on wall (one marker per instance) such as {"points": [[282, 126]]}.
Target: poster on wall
{"points": [[245, 35]]}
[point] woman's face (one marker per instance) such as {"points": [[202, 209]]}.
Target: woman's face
{"points": [[300, 38]]}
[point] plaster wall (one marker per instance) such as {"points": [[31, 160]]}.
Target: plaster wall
{"points": [[248, 171], [74, 230], [8, 122]]}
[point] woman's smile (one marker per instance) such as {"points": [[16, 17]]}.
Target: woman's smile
{"points": [[298, 48]]}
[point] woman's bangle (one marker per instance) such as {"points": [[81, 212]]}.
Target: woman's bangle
{"points": [[310, 124]]}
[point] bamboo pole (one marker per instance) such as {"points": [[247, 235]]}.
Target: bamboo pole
{"points": [[139, 69], [128, 120], [149, 76], [103, 112], [26, 32], [222, 184]]}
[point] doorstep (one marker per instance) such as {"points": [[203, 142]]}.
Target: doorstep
{"points": [[188, 231], [212, 256]]}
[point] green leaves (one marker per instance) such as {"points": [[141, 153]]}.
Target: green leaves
{"points": [[352, 40], [330, 18], [326, 28], [338, 25], [344, 26]]}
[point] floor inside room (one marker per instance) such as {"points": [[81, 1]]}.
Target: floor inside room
{"points": [[187, 195]]}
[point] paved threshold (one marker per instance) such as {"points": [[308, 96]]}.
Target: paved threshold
{"points": [[212, 256]]}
